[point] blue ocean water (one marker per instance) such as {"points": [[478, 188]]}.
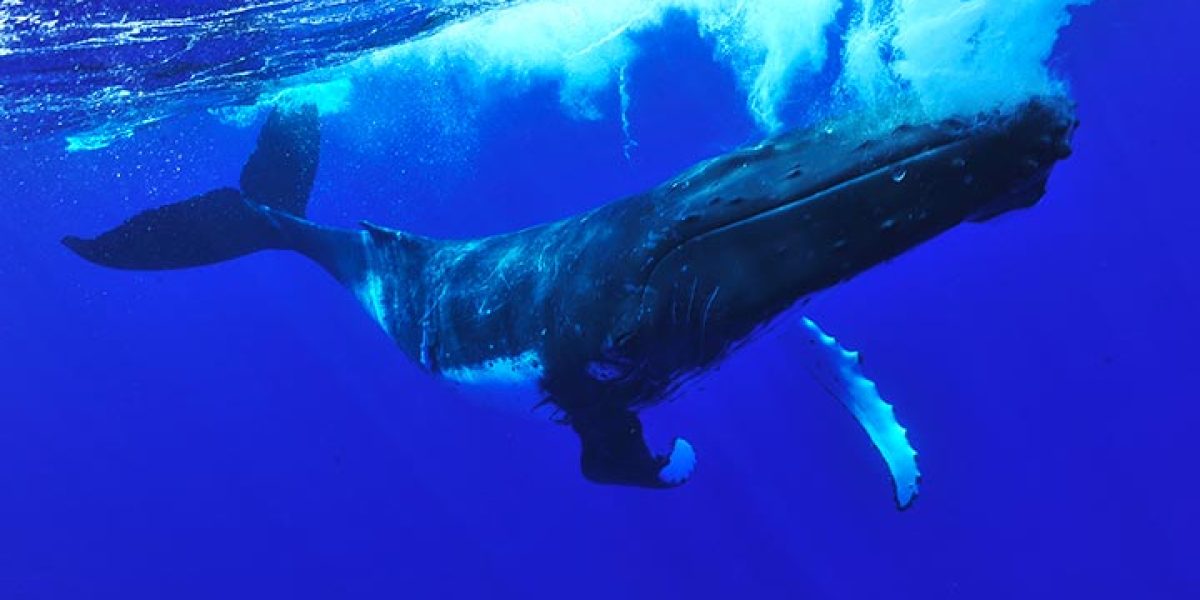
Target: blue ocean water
{"points": [[244, 430]]}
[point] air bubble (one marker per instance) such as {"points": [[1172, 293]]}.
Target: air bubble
{"points": [[899, 174]]}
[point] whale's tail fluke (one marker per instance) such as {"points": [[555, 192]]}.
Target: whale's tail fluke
{"points": [[281, 171], [266, 213]]}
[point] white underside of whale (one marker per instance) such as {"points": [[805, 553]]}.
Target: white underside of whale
{"points": [[511, 383]]}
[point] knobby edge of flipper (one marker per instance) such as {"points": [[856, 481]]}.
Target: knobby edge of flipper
{"points": [[839, 371]]}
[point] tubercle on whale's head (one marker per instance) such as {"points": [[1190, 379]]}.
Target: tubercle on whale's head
{"points": [[754, 231]]}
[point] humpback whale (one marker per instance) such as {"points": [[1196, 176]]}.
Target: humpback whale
{"points": [[606, 313]]}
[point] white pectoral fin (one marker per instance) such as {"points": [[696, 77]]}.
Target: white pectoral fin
{"points": [[680, 464], [839, 371]]}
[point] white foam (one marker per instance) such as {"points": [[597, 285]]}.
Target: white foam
{"points": [[330, 97], [584, 45], [940, 57], [953, 56]]}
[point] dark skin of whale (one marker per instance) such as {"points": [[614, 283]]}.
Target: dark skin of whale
{"points": [[610, 311]]}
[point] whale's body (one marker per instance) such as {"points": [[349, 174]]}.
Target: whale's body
{"points": [[606, 313]]}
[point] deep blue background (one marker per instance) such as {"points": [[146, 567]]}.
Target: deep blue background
{"points": [[245, 431]]}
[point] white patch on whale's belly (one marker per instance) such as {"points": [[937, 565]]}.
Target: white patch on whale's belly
{"points": [[509, 382]]}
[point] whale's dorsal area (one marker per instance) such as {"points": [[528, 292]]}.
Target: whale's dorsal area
{"points": [[604, 314]]}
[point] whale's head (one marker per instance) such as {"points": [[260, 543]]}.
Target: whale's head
{"points": [[752, 232]]}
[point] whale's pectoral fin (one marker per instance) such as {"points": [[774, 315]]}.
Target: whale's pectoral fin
{"points": [[839, 371], [615, 452]]}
